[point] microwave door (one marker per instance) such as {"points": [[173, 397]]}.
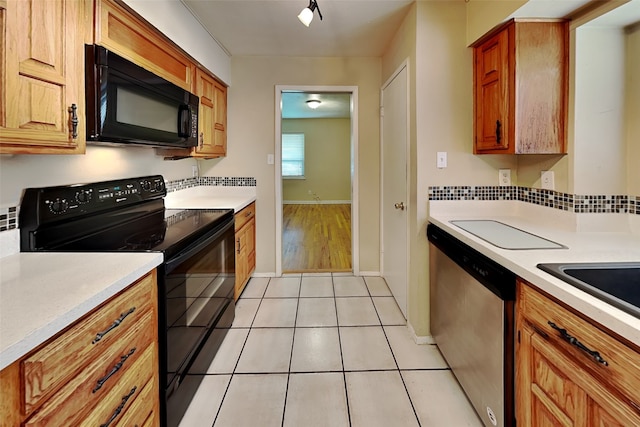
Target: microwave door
{"points": [[136, 112]]}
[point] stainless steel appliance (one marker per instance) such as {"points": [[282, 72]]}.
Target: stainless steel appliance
{"points": [[195, 281], [127, 104], [472, 322]]}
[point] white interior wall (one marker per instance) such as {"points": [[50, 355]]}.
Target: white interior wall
{"points": [[599, 146], [632, 90], [98, 164]]}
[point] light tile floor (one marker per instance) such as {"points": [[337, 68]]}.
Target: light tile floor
{"points": [[325, 350]]}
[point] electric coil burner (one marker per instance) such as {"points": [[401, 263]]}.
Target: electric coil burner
{"points": [[195, 281]]}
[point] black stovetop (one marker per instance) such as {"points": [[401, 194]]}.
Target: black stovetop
{"points": [[120, 215]]}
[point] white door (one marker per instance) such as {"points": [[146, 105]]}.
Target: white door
{"points": [[394, 186]]}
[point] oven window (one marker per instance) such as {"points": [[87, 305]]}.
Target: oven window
{"points": [[198, 291]]}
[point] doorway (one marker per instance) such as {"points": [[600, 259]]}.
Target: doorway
{"points": [[316, 179]]}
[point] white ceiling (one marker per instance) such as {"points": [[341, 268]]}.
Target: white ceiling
{"points": [[360, 28], [271, 27]]}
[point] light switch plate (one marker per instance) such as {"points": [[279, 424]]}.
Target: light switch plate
{"points": [[194, 171], [441, 161], [270, 159]]}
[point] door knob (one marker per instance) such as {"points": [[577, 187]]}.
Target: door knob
{"points": [[399, 206]]}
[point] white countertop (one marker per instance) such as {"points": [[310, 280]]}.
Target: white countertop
{"points": [[582, 246], [211, 197], [43, 293]]}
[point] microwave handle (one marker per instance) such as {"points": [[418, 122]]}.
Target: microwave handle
{"points": [[184, 121]]}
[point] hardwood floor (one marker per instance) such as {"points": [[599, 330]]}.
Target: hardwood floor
{"points": [[316, 238]]}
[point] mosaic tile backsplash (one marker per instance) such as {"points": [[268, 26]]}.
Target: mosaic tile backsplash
{"points": [[220, 181], [568, 202], [553, 199]]}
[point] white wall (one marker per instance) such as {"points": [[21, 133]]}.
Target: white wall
{"points": [[599, 145], [632, 107], [99, 163], [251, 137]]}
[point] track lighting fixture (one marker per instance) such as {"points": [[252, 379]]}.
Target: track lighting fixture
{"points": [[313, 103], [306, 16]]}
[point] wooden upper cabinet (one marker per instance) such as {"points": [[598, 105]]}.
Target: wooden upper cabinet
{"points": [[122, 31], [521, 73], [212, 133], [42, 108]]}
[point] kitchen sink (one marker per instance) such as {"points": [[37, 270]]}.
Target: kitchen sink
{"points": [[617, 283]]}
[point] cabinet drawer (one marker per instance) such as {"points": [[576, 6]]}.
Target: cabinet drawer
{"points": [[115, 405], [57, 362], [88, 388], [242, 217], [142, 409], [619, 367]]}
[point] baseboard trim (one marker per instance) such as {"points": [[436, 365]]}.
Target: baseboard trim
{"points": [[316, 202], [420, 339]]}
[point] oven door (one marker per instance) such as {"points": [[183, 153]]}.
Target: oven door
{"points": [[196, 309]]}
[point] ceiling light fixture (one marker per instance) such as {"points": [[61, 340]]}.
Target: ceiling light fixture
{"points": [[306, 16], [313, 103]]}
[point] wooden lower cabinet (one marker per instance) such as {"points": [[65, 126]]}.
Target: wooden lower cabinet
{"points": [[245, 228], [562, 383], [93, 373]]}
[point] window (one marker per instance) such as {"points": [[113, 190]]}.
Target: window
{"points": [[293, 155]]}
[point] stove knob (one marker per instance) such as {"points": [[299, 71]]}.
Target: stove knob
{"points": [[146, 185], [159, 185], [59, 206], [83, 196]]}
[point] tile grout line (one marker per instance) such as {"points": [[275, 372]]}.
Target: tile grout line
{"points": [[293, 342], [344, 374], [239, 356]]}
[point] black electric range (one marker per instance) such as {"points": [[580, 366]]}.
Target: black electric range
{"points": [[195, 280]]}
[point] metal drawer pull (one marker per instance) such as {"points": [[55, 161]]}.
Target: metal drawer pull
{"points": [[115, 369], [574, 341], [238, 245], [498, 131], [115, 324], [119, 408], [73, 110]]}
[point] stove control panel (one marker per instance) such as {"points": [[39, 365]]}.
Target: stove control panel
{"points": [[44, 205]]}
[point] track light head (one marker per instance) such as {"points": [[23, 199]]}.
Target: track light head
{"points": [[306, 16]]}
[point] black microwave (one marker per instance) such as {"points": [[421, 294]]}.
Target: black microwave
{"points": [[127, 104]]}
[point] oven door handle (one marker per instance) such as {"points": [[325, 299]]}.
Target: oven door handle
{"points": [[196, 247]]}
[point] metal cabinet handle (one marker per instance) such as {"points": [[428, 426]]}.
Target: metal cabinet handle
{"points": [[574, 341], [498, 131], [201, 140], [238, 245], [115, 369], [120, 407], [73, 110], [115, 324], [399, 206], [248, 214]]}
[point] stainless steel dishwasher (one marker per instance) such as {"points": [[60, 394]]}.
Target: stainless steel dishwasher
{"points": [[472, 322]]}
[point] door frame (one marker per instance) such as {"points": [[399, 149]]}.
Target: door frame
{"points": [[404, 65], [355, 235]]}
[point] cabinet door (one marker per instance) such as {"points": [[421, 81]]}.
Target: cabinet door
{"points": [[242, 268], [491, 93], [212, 135], [42, 77], [122, 31], [545, 394]]}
